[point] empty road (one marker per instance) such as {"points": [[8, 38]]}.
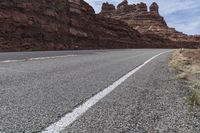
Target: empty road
{"points": [[38, 89]]}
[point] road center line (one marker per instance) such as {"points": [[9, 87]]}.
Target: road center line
{"points": [[80, 110], [38, 58]]}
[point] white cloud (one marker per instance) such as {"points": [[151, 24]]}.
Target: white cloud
{"points": [[181, 14]]}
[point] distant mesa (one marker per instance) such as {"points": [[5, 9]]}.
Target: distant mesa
{"points": [[145, 21]]}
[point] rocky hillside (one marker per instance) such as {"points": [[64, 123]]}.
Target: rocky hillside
{"points": [[69, 24], [60, 25], [33, 24], [138, 17], [89, 30]]}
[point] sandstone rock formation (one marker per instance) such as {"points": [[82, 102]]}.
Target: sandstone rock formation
{"points": [[58, 25], [73, 24], [89, 31], [146, 22], [107, 8], [122, 4], [33, 24], [154, 9]]}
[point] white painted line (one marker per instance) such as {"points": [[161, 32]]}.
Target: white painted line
{"points": [[33, 59], [80, 110], [53, 57]]}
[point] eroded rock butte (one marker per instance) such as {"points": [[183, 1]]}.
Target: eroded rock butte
{"points": [[138, 17]]}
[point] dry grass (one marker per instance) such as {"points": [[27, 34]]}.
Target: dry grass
{"points": [[187, 63], [183, 76]]}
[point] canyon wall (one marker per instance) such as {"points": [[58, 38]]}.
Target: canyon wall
{"points": [[72, 24], [60, 25], [138, 17], [33, 24], [91, 31]]}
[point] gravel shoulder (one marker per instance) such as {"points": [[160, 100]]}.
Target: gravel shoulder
{"points": [[152, 100], [186, 62]]}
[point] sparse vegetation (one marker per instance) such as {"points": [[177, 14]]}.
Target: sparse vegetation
{"points": [[60, 5], [187, 63], [194, 99], [183, 76]]}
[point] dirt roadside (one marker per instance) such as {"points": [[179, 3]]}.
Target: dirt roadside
{"points": [[187, 64]]}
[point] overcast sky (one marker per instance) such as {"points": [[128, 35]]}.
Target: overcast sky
{"points": [[184, 15]]}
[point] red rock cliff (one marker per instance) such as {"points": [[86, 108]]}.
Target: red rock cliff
{"points": [[33, 24], [73, 24], [90, 30], [60, 24], [146, 22]]}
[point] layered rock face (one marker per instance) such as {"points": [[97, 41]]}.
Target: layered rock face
{"points": [[58, 25], [146, 22], [89, 30], [33, 24], [72, 24]]}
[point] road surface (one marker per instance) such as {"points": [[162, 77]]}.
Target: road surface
{"points": [[38, 89]]}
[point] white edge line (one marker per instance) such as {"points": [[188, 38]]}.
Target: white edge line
{"points": [[80, 110], [34, 59]]}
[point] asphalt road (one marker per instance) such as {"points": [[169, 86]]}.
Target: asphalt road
{"points": [[38, 54], [37, 93], [150, 101]]}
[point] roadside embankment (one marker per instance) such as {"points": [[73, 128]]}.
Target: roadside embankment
{"points": [[187, 63]]}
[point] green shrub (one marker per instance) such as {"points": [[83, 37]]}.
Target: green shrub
{"points": [[60, 5]]}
